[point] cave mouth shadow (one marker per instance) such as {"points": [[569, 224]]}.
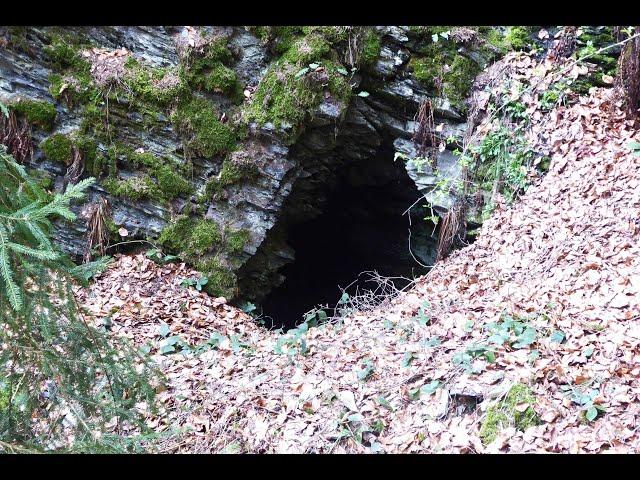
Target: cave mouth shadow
{"points": [[362, 228]]}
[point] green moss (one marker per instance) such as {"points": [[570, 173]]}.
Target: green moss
{"points": [[519, 38], [459, 80], [210, 70], [278, 38], [426, 70], [5, 393], [39, 113], [222, 281], [371, 48], [142, 83], [141, 159], [62, 53], [217, 51], [221, 79], [308, 49], [171, 184], [284, 97], [505, 414], [191, 238], [135, 188], [199, 119], [331, 34], [58, 148], [441, 65], [235, 241], [230, 173]]}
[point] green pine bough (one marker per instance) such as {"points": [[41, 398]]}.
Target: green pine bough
{"points": [[54, 364]]}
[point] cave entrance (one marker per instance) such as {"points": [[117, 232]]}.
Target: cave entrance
{"points": [[361, 228]]}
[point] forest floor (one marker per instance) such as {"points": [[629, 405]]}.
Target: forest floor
{"points": [[547, 299]]}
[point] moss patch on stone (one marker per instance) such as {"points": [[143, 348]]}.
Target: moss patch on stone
{"points": [[58, 148], [200, 120], [149, 85], [235, 240], [39, 113], [139, 187], [442, 68], [191, 237], [211, 70], [201, 242], [230, 173], [222, 281], [371, 48], [162, 178], [278, 38], [285, 97], [308, 49], [505, 414], [519, 38]]}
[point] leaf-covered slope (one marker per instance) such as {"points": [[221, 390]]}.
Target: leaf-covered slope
{"points": [[526, 340]]}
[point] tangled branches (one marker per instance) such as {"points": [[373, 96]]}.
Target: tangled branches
{"points": [[383, 289]]}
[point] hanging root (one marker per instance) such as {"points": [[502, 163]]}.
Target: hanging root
{"points": [[16, 136], [425, 136], [627, 82], [452, 228], [75, 169], [97, 230]]}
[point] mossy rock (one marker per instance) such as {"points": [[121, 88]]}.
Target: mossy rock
{"points": [[58, 148], [230, 173], [371, 48], [144, 84], [209, 136], [286, 95], [278, 38], [310, 48], [39, 113], [519, 38], [507, 413], [211, 70], [447, 68], [222, 281], [171, 184], [235, 241], [139, 187], [191, 238]]}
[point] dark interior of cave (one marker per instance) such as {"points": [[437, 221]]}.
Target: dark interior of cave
{"points": [[361, 228]]}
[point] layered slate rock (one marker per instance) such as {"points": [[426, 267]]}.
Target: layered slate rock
{"points": [[214, 185]]}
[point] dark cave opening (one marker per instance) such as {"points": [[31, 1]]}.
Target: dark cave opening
{"points": [[361, 228]]}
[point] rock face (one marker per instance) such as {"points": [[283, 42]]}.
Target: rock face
{"points": [[290, 181]]}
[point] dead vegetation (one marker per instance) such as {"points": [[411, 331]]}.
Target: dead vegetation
{"points": [[75, 168], [15, 134], [97, 239], [424, 137], [452, 230]]}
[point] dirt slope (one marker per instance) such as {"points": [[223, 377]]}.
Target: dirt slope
{"points": [[547, 298]]}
